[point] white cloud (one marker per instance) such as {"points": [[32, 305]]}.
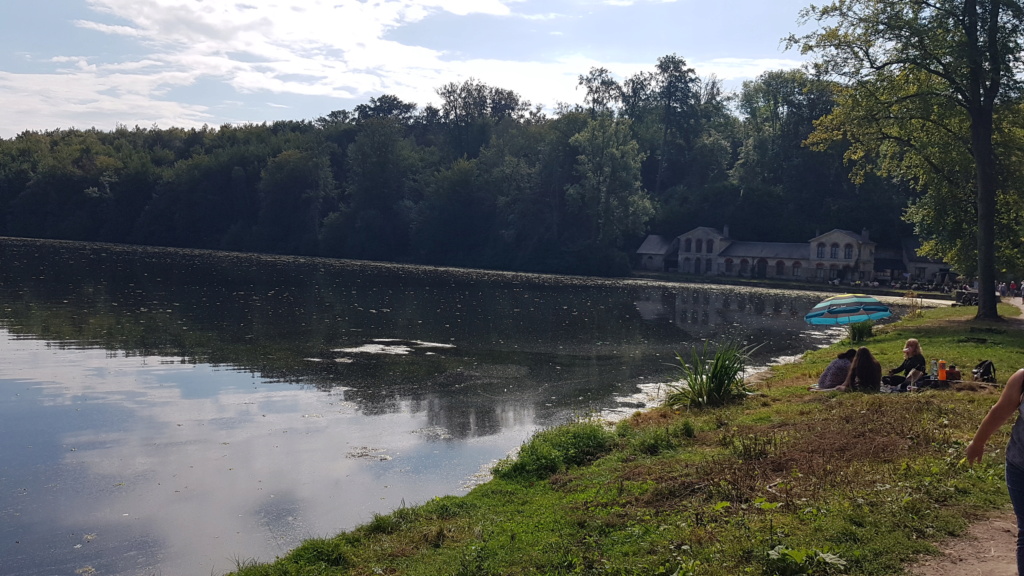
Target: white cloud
{"points": [[107, 29], [343, 49], [742, 68], [84, 100]]}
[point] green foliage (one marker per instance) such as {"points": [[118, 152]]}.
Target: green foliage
{"points": [[925, 89], [608, 198], [710, 379], [860, 331], [390, 523], [555, 449], [784, 561], [482, 180], [330, 552], [314, 557]]}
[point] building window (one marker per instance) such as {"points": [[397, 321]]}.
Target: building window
{"points": [[744, 267], [687, 245], [711, 246], [834, 253], [700, 246], [708, 265], [728, 265], [696, 264], [686, 266], [780, 268], [796, 269], [920, 272], [820, 272], [833, 272], [821, 250], [848, 252]]}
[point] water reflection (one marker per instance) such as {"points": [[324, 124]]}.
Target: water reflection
{"points": [[127, 465], [705, 311], [165, 411]]}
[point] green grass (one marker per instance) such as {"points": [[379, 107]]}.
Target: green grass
{"points": [[784, 482]]}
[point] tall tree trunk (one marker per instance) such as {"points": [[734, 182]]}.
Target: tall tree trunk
{"points": [[985, 166]]}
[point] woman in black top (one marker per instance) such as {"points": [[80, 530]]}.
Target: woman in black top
{"points": [[913, 367]]}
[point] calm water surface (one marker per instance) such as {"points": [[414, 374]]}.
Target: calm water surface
{"points": [[168, 411]]}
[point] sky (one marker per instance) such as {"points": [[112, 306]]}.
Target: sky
{"points": [[188, 63]]}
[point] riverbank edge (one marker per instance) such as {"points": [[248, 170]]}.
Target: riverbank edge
{"points": [[786, 285], [387, 526]]}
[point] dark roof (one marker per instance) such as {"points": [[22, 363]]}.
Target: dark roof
{"points": [[889, 252], [767, 250], [655, 244]]}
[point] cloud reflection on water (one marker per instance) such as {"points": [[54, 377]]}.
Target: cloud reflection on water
{"points": [[197, 464]]}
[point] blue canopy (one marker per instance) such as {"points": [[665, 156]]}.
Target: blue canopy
{"points": [[847, 309]]}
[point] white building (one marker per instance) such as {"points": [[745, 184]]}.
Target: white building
{"points": [[838, 254]]}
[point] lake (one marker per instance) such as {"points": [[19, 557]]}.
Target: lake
{"points": [[172, 411]]}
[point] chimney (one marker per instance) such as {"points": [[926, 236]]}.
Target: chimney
{"points": [[725, 230], [864, 235]]}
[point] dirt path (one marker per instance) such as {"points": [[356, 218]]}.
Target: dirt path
{"points": [[989, 548]]}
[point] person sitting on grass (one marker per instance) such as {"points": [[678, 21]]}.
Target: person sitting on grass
{"points": [[865, 373], [835, 373], [913, 367]]}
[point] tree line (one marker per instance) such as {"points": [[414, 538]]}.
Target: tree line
{"points": [[483, 179]]}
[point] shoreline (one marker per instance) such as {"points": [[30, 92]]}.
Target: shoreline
{"points": [[663, 478]]}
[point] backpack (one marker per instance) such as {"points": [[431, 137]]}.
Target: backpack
{"points": [[985, 371]]}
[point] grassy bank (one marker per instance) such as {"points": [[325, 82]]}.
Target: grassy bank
{"points": [[786, 482]]}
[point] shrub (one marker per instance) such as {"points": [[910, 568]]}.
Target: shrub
{"points": [[326, 552], [861, 331], [710, 380], [653, 441], [554, 449], [390, 523]]}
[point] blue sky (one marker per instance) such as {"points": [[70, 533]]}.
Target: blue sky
{"points": [[100, 63]]}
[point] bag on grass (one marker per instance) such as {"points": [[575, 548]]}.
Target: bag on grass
{"points": [[985, 371]]}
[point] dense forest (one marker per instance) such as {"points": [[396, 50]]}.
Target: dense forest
{"points": [[484, 179]]}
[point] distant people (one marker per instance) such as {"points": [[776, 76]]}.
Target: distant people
{"points": [[913, 367], [865, 373], [835, 373]]}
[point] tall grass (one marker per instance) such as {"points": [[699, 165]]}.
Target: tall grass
{"points": [[860, 331], [710, 379]]}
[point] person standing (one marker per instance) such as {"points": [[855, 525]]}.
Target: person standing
{"points": [[1009, 402]]}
